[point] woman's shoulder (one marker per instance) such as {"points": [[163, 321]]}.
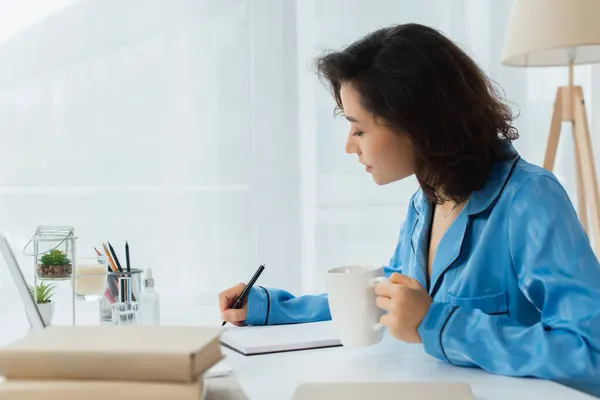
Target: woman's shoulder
{"points": [[530, 182]]}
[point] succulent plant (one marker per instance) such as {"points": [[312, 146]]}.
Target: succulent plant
{"points": [[42, 293], [55, 257]]}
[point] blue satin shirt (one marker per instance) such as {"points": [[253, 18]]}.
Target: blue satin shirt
{"points": [[515, 284]]}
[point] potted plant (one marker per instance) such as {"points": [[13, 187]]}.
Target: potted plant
{"points": [[42, 295], [54, 265]]}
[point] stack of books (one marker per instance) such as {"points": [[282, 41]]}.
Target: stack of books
{"points": [[104, 362]]}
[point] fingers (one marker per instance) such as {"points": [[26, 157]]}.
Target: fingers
{"points": [[385, 289], [388, 289], [385, 320], [405, 280], [229, 296], [234, 315], [223, 302], [226, 300], [384, 303]]}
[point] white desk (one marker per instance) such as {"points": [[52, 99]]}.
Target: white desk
{"points": [[276, 376]]}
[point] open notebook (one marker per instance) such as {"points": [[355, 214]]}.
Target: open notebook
{"points": [[253, 340]]}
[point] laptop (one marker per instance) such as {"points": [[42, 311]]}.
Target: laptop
{"points": [[35, 318]]}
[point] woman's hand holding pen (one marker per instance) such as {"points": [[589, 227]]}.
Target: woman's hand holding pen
{"points": [[406, 303], [227, 299]]}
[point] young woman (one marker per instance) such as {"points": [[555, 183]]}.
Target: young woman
{"points": [[492, 267]]}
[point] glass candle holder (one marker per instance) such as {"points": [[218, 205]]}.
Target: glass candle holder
{"points": [[90, 278]]}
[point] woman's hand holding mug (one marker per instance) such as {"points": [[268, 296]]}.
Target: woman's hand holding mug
{"points": [[406, 303]]}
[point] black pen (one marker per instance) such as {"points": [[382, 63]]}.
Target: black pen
{"points": [[240, 300], [127, 256], [114, 255]]}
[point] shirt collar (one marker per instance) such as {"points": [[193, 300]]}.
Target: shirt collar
{"points": [[483, 198]]}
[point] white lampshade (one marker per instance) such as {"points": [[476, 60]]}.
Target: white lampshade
{"points": [[546, 32]]}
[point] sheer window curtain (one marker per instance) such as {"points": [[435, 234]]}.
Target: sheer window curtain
{"points": [[167, 124], [198, 131]]}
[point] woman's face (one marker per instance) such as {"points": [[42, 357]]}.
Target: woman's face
{"points": [[387, 155]]}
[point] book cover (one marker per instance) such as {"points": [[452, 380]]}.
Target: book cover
{"points": [[146, 353], [98, 390]]}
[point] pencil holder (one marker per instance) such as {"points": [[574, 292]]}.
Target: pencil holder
{"points": [[112, 293], [127, 311]]}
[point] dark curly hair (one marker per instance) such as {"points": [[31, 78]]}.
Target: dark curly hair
{"points": [[423, 85]]}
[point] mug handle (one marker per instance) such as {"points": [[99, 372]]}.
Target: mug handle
{"points": [[377, 326], [376, 281]]}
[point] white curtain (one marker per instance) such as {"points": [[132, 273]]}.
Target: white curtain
{"points": [[197, 131], [167, 124]]}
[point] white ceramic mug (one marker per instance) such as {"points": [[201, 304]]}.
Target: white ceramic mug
{"points": [[351, 296]]}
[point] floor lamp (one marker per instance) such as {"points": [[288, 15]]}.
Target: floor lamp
{"points": [[562, 33]]}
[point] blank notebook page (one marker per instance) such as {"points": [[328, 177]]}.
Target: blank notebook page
{"points": [[251, 340]]}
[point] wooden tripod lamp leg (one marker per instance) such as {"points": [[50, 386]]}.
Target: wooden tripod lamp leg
{"points": [[564, 110], [554, 134], [581, 190], [588, 167]]}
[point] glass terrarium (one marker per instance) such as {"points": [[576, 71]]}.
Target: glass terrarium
{"points": [[53, 252]]}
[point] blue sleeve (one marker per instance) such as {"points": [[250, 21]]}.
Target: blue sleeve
{"points": [[276, 306], [559, 274]]}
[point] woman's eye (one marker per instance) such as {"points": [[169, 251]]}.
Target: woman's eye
{"points": [[357, 133]]}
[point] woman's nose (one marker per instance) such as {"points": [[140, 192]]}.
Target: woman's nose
{"points": [[351, 146]]}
